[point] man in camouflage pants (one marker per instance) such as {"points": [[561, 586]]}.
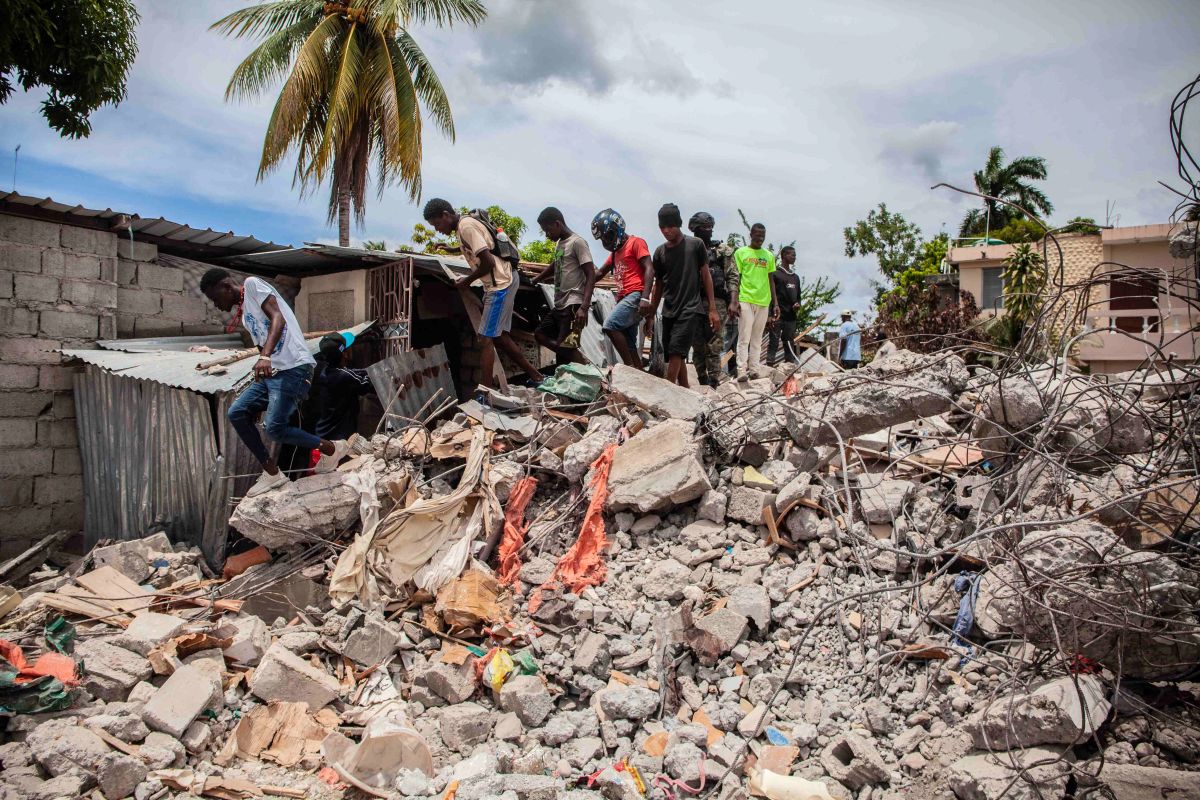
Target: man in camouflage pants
{"points": [[711, 345]]}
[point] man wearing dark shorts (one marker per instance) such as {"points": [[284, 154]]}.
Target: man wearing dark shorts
{"points": [[634, 274], [574, 278], [684, 287]]}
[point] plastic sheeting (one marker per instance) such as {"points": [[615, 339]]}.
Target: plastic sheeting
{"points": [[386, 556]]}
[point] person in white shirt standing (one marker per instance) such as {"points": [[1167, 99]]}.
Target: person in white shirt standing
{"points": [[850, 352], [282, 374]]}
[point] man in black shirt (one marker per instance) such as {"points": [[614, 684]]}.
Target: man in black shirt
{"points": [[336, 389], [685, 289], [787, 294]]}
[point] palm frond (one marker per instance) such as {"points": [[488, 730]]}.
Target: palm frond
{"points": [[443, 13], [428, 87], [345, 99], [268, 62], [265, 18], [1027, 167]]}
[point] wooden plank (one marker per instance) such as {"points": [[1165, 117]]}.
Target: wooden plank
{"points": [[64, 601], [118, 590]]}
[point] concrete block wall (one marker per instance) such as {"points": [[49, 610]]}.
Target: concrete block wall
{"points": [[58, 288], [64, 286]]}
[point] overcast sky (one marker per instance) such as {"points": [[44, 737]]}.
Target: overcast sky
{"points": [[804, 114]]}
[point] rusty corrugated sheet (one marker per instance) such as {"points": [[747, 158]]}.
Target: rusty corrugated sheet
{"points": [[421, 373]]}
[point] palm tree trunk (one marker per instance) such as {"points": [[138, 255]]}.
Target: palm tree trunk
{"points": [[344, 218]]}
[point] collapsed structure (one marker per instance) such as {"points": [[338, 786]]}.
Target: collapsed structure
{"points": [[923, 578]]}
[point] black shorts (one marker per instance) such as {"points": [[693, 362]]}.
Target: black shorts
{"points": [[557, 323], [680, 333]]}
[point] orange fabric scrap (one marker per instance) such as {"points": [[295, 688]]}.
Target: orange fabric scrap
{"points": [[56, 664], [791, 387], [515, 529], [583, 565]]}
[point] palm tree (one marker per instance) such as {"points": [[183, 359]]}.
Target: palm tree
{"points": [[1008, 182], [356, 82]]}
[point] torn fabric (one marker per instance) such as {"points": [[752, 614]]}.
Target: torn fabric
{"points": [[515, 529]]}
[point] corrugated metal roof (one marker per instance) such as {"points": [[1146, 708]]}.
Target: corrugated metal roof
{"points": [[178, 368], [216, 341], [164, 231], [314, 258]]}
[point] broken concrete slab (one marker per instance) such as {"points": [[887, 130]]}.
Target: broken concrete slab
{"points": [[658, 468], [283, 675], [465, 725], [527, 697], [112, 671], [746, 504], [1032, 774], [1065, 710], [660, 397], [250, 638], [179, 701], [454, 683], [149, 630], [118, 774], [62, 747], [1134, 782], [628, 702], [373, 641], [902, 387], [133, 558], [578, 457], [717, 633], [883, 500], [753, 603]]}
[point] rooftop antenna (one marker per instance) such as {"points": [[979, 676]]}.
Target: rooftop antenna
{"points": [[1110, 220], [16, 155]]}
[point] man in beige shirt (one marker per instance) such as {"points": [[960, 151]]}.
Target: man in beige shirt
{"points": [[499, 287]]}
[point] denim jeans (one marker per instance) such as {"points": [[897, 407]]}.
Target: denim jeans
{"points": [[278, 396]]}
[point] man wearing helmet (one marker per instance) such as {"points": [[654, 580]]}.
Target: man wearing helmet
{"points": [[633, 271], [711, 345]]}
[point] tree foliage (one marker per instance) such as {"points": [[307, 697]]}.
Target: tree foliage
{"points": [[894, 241], [814, 295], [1024, 278], [79, 50], [1017, 231], [354, 86], [375, 244], [539, 251], [915, 318], [1086, 225], [1011, 182]]}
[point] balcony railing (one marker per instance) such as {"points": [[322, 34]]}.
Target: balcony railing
{"points": [[1137, 335]]}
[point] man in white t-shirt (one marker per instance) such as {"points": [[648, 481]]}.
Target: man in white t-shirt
{"points": [[282, 374]]}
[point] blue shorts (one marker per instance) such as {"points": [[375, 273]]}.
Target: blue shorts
{"points": [[625, 318], [496, 317]]}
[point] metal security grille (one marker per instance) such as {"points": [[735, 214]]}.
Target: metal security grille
{"points": [[389, 303]]}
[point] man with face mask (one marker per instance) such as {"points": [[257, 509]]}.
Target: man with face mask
{"points": [[711, 345]]}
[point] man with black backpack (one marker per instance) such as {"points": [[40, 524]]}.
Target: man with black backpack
{"points": [[493, 259], [711, 345]]}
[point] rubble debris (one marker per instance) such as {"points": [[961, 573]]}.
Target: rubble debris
{"points": [[1061, 711], [1037, 772], [179, 701], [854, 762], [658, 468], [282, 675], [660, 397]]}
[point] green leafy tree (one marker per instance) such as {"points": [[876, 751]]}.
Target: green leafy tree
{"points": [[426, 240], [814, 295], [1011, 182], [375, 244], [1081, 225], [1017, 231], [79, 50], [894, 241], [1024, 279], [356, 83], [539, 251]]}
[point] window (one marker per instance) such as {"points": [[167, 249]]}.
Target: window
{"points": [[993, 288], [1137, 292]]}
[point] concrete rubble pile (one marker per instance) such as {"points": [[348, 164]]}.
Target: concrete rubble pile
{"points": [[922, 578]]}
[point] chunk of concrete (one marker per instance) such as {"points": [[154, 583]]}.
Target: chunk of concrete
{"points": [[592, 656], [717, 633], [465, 725], [320, 505], [374, 641], [1032, 774], [251, 638], [62, 747], [628, 702], [118, 775], [854, 762], [454, 683], [1061, 711], [111, 671], [1133, 782], [283, 675], [133, 558], [527, 697], [667, 580], [883, 500], [578, 457], [658, 468], [179, 701], [747, 504], [660, 397], [712, 506], [149, 630], [753, 603]]}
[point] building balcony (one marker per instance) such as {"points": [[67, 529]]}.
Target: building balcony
{"points": [[1139, 335]]}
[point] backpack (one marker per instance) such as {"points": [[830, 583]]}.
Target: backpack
{"points": [[503, 247]]}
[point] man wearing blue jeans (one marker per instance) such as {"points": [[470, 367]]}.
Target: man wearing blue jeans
{"points": [[633, 272], [282, 374]]}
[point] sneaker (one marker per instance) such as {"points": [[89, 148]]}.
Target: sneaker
{"points": [[743, 377], [266, 482], [328, 463]]}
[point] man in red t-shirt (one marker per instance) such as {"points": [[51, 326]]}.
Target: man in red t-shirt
{"points": [[633, 271]]}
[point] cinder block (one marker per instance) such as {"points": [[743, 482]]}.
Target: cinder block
{"points": [[126, 272], [67, 515], [139, 302], [283, 675], [108, 269], [18, 321], [75, 265], [68, 461], [18, 432], [108, 326], [125, 326], [56, 379], [25, 403], [157, 326], [16, 492], [18, 376], [57, 433], [203, 328], [89, 240], [24, 350], [52, 261], [29, 231], [184, 308], [43, 288], [64, 406], [148, 630], [30, 462], [69, 324], [28, 523], [152, 276], [51, 489], [20, 257], [178, 702], [90, 293], [137, 251], [6, 285]]}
